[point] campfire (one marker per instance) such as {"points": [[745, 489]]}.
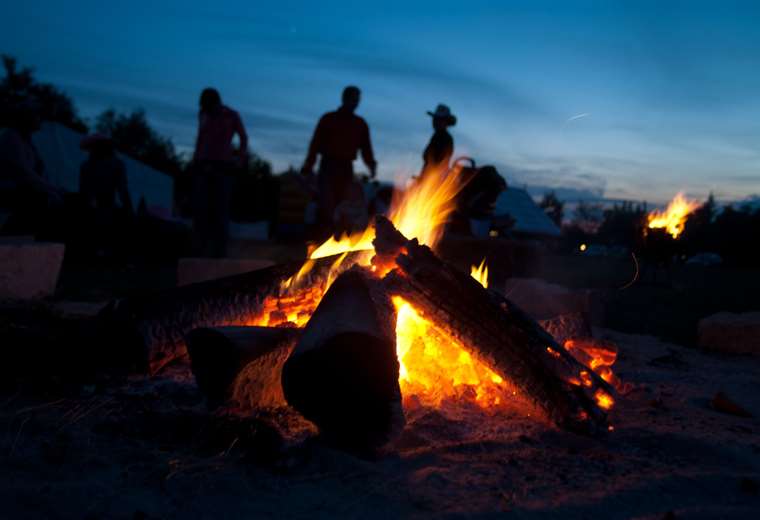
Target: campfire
{"points": [[369, 326]]}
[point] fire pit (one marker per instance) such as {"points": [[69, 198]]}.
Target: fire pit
{"points": [[378, 323]]}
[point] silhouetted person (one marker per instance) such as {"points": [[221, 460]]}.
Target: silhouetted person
{"points": [[439, 150], [24, 188], [338, 137], [103, 177], [351, 213], [215, 161]]}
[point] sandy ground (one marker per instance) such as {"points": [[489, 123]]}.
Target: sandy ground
{"points": [[149, 449]]}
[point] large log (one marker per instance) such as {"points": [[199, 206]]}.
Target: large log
{"points": [[495, 332], [343, 374], [241, 367], [152, 327]]}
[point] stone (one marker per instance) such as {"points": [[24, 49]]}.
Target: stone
{"points": [[730, 332], [194, 270], [29, 270], [543, 300]]}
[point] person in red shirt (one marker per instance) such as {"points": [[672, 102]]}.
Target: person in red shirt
{"points": [[215, 161], [338, 138]]}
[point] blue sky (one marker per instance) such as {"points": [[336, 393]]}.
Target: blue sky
{"points": [[629, 100]]}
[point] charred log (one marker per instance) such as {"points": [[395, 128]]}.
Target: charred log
{"points": [[497, 333], [343, 374], [152, 327], [241, 366]]}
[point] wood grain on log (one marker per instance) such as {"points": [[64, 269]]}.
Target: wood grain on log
{"points": [[241, 366], [343, 374]]}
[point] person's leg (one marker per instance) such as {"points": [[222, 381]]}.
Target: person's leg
{"points": [[325, 204], [222, 213], [201, 209]]}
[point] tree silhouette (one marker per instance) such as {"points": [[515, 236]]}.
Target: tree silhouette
{"points": [[19, 86], [553, 207], [134, 136]]}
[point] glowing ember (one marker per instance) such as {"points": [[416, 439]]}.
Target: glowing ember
{"points": [[604, 400], [673, 219], [599, 356], [480, 273], [434, 368]]}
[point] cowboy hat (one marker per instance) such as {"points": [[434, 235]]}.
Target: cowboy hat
{"points": [[444, 112]]}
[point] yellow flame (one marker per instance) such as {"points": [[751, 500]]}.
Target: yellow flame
{"points": [[480, 273], [420, 212], [433, 367], [673, 219]]}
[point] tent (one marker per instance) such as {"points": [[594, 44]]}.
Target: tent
{"points": [[59, 148], [530, 219]]}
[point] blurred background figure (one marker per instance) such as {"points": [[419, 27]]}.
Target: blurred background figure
{"points": [[25, 191], [351, 214], [440, 149], [338, 138], [103, 178], [215, 162]]}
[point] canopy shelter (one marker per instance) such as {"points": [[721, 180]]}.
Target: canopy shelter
{"points": [[59, 148]]}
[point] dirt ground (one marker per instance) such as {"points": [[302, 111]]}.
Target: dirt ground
{"points": [[150, 449], [140, 448]]}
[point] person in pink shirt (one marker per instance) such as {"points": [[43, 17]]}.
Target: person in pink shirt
{"points": [[215, 162]]}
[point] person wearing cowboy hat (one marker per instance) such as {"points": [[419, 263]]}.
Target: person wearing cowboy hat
{"points": [[439, 150], [103, 176]]}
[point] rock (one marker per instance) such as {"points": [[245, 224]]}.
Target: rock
{"points": [[193, 270], [722, 403], [29, 270], [544, 300], [729, 332], [567, 326]]}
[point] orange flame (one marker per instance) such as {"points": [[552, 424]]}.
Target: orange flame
{"points": [[673, 219], [434, 368]]}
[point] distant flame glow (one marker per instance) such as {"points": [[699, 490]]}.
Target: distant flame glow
{"points": [[673, 218]]}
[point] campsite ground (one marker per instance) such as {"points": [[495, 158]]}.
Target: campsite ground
{"points": [[141, 448]]}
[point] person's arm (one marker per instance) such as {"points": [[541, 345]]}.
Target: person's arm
{"points": [[366, 147], [315, 147], [123, 189], [243, 136]]}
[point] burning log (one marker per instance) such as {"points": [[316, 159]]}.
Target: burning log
{"points": [[343, 374], [495, 332], [152, 327], [241, 366]]}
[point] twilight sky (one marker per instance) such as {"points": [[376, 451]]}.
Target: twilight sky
{"points": [[631, 100]]}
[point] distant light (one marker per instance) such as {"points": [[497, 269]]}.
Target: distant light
{"points": [[493, 233], [583, 247]]}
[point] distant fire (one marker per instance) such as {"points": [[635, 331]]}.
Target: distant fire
{"points": [[673, 218]]}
